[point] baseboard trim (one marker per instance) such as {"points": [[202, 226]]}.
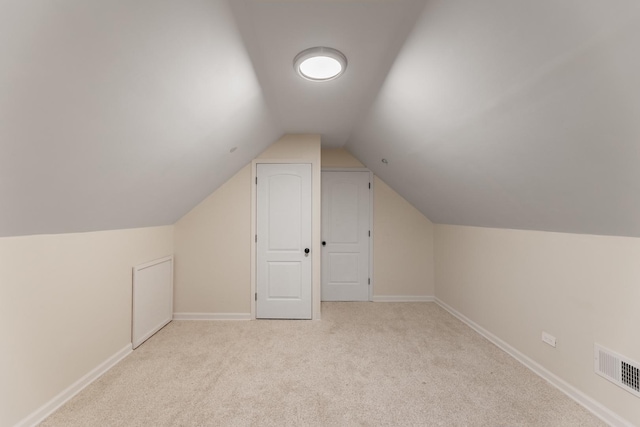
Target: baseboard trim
{"points": [[54, 404], [211, 316], [595, 407], [403, 298]]}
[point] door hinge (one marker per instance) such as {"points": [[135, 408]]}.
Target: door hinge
{"points": [[369, 233], [369, 281], [256, 180], [256, 238], [369, 186], [255, 297]]}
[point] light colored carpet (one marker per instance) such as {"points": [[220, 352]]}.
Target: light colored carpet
{"points": [[368, 364]]}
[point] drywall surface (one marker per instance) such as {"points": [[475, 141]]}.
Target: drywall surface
{"points": [[403, 246], [297, 147], [402, 237], [212, 251], [65, 307], [339, 158], [579, 288], [121, 115], [213, 241]]}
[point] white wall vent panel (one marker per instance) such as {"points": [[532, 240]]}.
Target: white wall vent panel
{"points": [[152, 298], [618, 369]]}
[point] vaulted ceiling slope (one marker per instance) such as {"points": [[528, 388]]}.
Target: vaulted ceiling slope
{"points": [[369, 32], [120, 114], [514, 114], [501, 113]]}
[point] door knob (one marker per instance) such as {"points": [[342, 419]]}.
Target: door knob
{"points": [[306, 251], [324, 243]]}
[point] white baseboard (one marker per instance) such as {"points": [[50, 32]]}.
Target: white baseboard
{"points": [[590, 404], [403, 298], [211, 316], [54, 404]]}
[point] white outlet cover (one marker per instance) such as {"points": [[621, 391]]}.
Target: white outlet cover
{"points": [[549, 339]]}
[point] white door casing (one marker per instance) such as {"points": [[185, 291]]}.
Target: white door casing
{"points": [[345, 236], [283, 233]]}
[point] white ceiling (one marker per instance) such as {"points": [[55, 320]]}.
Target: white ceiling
{"points": [[502, 113], [369, 33]]}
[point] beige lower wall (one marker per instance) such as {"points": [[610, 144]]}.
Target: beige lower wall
{"points": [[212, 251], [402, 246], [65, 307], [339, 158], [580, 288], [213, 241]]}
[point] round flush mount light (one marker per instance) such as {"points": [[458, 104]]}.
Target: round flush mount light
{"points": [[320, 64]]}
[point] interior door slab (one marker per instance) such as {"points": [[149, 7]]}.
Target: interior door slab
{"points": [[283, 225], [345, 236]]}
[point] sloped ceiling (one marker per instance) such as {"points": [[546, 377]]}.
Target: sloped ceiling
{"points": [[120, 114], [514, 114], [370, 33], [502, 113]]}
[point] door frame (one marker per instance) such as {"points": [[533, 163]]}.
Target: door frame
{"points": [[371, 176], [315, 246]]}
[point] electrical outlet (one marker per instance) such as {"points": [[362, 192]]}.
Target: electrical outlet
{"points": [[549, 339]]}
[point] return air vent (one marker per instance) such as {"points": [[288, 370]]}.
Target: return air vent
{"points": [[618, 369]]}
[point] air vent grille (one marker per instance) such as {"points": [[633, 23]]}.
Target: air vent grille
{"points": [[630, 376], [618, 369]]}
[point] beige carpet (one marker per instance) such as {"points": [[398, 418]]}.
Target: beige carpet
{"points": [[368, 364]]}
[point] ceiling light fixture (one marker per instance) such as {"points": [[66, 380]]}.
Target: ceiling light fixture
{"points": [[320, 64]]}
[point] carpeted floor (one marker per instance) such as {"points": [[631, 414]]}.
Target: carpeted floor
{"points": [[365, 364]]}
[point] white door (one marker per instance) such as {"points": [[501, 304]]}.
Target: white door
{"points": [[283, 282], [345, 236]]}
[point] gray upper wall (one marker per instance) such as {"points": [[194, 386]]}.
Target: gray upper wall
{"points": [[499, 113]]}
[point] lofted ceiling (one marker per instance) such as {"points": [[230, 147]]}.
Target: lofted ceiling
{"points": [[369, 33], [121, 114], [514, 114], [499, 113]]}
